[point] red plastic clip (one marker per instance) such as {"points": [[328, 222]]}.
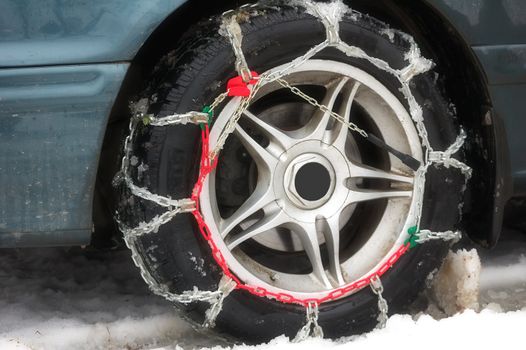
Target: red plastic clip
{"points": [[237, 87]]}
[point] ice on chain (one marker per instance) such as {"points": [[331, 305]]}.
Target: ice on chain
{"points": [[383, 308], [445, 158], [231, 29], [226, 286], [426, 235], [177, 119]]}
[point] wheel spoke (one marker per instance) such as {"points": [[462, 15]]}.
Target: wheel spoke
{"points": [[317, 126], [339, 132], [309, 239], [365, 171], [264, 159], [364, 195], [331, 231], [279, 141], [259, 199], [274, 217]]}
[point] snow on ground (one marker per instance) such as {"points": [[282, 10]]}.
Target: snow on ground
{"points": [[503, 277], [73, 299], [57, 299], [487, 330]]}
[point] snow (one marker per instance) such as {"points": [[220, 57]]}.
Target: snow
{"points": [[467, 330], [77, 299], [492, 276], [56, 299], [456, 286]]}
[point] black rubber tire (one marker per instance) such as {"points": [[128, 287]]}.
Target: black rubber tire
{"points": [[192, 77]]}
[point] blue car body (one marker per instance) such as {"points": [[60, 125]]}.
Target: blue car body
{"points": [[63, 64]]}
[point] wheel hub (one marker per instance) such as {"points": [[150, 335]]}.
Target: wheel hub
{"points": [[307, 183]]}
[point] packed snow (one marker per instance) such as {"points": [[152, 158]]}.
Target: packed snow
{"points": [[79, 299], [456, 286]]}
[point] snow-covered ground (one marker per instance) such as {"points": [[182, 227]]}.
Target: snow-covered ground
{"points": [[73, 299]]}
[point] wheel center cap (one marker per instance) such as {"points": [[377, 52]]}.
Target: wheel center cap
{"points": [[309, 180], [312, 181]]}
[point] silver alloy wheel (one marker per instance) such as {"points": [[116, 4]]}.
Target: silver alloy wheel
{"points": [[315, 211]]}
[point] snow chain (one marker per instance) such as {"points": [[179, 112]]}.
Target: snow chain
{"points": [[226, 285], [378, 289], [246, 86], [312, 326]]}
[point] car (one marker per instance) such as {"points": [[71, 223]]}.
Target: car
{"points": [[284, 167]]}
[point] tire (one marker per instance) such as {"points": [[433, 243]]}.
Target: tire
{"points": [[177, 256]]}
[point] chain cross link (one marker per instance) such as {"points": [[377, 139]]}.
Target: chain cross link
{"points": [[323, 108], [226, 286], [186, 118], [311, 326], [426, 235], [378, 289], [232, 30]]}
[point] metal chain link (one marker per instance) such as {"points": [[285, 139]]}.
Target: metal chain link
{"points": [[426, 235], [183, 205], [232, 30], [226, 286], [153, 225], [218, 100], [295, 63], [378, 289], [232, 122], [311, 327], [323, 108], [186, 297], [175, 207], [175, 119], [446, 157]]}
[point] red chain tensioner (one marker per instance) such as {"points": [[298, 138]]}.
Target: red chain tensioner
{"points": [[237, 87]]}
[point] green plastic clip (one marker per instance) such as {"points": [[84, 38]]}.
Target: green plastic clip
{"points": [[413, 237], [208, 110], [146, 119]]}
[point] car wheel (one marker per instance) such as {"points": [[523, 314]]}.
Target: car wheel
{"points": [[297, 204]]}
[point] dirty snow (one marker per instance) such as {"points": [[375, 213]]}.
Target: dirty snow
{"points": [[456, 286], [75, 299]]}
